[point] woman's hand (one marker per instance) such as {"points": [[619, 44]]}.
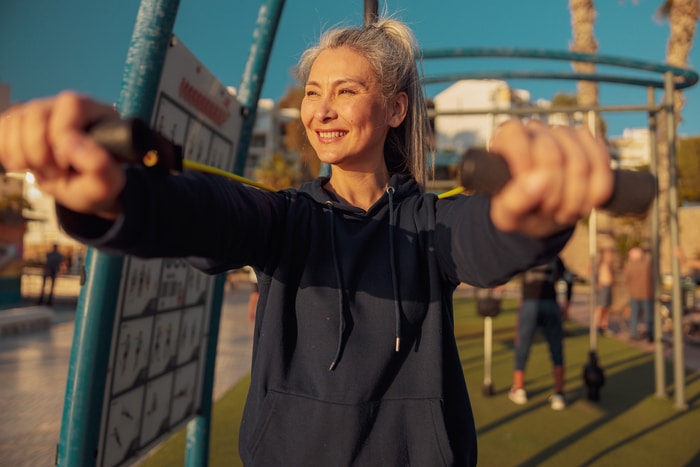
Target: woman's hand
{"points": [[559, 174], [47, 137]]}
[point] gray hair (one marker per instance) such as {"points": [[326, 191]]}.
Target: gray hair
{"points": [[391, 49]]}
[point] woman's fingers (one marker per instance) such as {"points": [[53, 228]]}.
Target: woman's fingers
{"points": [[72, 114], [558, 175], [48, 138]]}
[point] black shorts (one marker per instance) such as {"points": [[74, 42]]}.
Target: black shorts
{"points": [[604, 296]]}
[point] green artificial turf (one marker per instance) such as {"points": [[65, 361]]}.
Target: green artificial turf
{"points": [[628, 427]]}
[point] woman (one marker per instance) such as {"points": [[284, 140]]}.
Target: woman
{"points": [[354, 359]]}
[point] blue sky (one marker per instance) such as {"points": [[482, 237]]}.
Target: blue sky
{"points": [[47, 46]]}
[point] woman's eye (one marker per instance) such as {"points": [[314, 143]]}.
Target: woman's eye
{"points": [[347, 91], [310, 92]]}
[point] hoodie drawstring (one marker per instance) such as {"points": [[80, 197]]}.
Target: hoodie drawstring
{"points": [[394, 276], [339, 278], [339, 284]]}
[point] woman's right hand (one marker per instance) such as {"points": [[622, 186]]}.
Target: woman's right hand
{"points": [[48, 138]]}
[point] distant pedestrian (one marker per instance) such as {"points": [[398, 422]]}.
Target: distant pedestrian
{"points": [[540, 308], [54, 259], [640, 288]]}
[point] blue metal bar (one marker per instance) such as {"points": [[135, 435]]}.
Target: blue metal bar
{"points": [[80, 428], [146, 56], [689, 77], [254, 74], [92, 337], [199, 428]]}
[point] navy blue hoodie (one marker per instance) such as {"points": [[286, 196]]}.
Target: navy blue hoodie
{"points": [[354, 358]]}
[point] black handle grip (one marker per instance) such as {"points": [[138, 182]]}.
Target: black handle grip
{"points": [[487, 173], [132, 141]]}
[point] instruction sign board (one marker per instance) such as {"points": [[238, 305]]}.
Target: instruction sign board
{"points": [[158, 351]]}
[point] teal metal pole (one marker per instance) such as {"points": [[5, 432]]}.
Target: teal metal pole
{"points": [[199, 428], [254, 74], [144, 61], [655, 244], [87, 370], [80, 426]]}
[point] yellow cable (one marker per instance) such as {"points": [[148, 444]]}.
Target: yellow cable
{"points": [[198, 166], [452, 192]]}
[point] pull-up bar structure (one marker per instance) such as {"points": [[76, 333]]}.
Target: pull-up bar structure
{"points": [[672, 78]]}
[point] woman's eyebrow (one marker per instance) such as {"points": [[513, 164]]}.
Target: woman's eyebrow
{"points": [[340, 82]]}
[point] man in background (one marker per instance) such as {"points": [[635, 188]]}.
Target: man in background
{"points": [[54, 259]]}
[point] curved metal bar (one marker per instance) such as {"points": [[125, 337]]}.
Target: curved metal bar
{"points": [[688, 77], [553, 75]]}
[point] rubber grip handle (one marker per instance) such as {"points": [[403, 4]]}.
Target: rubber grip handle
{"points": [[488, 173], [132, 141]]}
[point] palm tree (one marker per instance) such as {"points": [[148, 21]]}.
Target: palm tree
{"points": [[583, 15], [682, 16]]}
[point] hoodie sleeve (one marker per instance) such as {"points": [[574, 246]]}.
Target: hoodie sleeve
{"points": [[221, 223], [471, 249]]}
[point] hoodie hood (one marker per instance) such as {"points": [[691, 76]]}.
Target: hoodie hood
{"points": [[403, 185]]}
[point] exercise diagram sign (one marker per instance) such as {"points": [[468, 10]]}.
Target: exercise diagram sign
{"points": [[158, 351]]}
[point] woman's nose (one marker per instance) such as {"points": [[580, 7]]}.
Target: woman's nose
{"points": [[325, 110]]}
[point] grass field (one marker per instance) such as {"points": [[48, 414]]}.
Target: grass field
{"points": [[628, 427]]}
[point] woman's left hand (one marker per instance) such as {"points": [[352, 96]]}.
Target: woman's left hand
{"points": [[558, 175]]}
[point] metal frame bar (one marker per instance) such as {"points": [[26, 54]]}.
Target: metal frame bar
{"points": [[79, 435]]}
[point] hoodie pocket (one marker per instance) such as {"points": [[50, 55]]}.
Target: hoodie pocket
{"points": [[300, 431], [261, 428]]}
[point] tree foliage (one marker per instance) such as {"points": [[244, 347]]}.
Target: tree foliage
{"points": [[295, 140], [688, 160], [279, 172]]}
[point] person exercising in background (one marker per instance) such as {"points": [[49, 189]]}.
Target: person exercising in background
{"points": [[540, 309]]}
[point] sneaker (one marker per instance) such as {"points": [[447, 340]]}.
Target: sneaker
{"points": [[557, 401], [519, 396]]}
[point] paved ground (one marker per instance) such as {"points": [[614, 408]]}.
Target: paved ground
{"points": [[33, 369], [33, 373]]}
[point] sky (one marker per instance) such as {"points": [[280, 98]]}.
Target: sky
{"points": [[47, 46]]}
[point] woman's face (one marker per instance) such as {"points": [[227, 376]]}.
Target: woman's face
{"points": [[344, 113]]}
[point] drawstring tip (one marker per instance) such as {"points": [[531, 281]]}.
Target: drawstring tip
{"points": [[332, 367], [398, 343]]}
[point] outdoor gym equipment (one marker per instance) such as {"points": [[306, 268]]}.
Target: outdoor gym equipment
{"points": [[86, 426], [488, 306]]}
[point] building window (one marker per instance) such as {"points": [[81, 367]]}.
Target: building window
{"points": [[258, 141]]}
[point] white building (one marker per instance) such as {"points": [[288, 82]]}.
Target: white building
{"points": [[632, 148], [459, 132], [265, 139]]}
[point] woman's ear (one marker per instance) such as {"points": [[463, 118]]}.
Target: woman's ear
{"points": [[398, 107]]}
